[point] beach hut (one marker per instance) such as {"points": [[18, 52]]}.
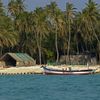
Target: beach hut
{"points": [[16, 60]]}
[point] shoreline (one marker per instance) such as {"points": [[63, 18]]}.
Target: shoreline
{"points": [[38, 70]]}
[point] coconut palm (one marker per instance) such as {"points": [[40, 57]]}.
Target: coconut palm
{"points": [[8, 36], [39, 28], [16, 7], [56, 23], [66, 30], [89, 23], [70, 15]]}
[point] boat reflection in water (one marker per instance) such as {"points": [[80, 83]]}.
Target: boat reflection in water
{"points": [[52, 71]]}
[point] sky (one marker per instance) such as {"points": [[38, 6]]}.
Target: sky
{"points": [[32, 4]]}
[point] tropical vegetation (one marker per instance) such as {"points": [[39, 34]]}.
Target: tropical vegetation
{"points": [[48, 32]]}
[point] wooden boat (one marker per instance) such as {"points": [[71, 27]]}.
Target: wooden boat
{"points": [[52, 71]]}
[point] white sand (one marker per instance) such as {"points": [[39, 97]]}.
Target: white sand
{"points": [[21, 70], [38, 70]]}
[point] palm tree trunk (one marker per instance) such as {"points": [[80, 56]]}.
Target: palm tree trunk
{"points": [[38, 41], [40, 54], [69, 40], [1, 51], [98, 47], [77, 47], [39, 48], [95, 33], [97, 40], [56, 45], [39, 51], [99, 53]]}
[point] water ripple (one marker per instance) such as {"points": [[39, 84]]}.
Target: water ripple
{"points": [[41, 87]]}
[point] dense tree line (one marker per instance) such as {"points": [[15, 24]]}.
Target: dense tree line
{"points": [[48, 32]]}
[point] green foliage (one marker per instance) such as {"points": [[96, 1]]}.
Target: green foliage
{"points": [[47, 32], [8, 36]]}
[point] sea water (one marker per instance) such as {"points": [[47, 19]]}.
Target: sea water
{"points": [[46, 87]]}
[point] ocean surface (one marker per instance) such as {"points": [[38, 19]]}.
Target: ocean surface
{"points": [[45, 87]]}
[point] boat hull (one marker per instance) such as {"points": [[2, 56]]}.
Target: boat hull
{"points": [[49, 71]]}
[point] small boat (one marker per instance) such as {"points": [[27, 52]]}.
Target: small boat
{"points": [[52, 71]]}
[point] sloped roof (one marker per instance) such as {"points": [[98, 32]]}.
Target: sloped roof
{"points": [[18, 56]]}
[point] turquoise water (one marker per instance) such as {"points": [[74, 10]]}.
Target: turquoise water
{"points": [[42, 87]]}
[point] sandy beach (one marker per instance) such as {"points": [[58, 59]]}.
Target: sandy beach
{"points": [[22, 70], [38, 70]]}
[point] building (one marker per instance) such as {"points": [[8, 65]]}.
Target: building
{"points": [[78, 59], [16, 60]]}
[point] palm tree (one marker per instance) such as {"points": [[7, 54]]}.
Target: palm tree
{"points": [[70, 15], [39, 28], [89, 22], [56, 23], [1, 9], [16, 7], [8, 37]]}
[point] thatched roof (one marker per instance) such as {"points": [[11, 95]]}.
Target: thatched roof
{"points": [[18, 56], [17, 59]]}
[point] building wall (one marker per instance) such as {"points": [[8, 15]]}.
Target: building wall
{"points": [[2, 64], [25, 63], [78, 59]]}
